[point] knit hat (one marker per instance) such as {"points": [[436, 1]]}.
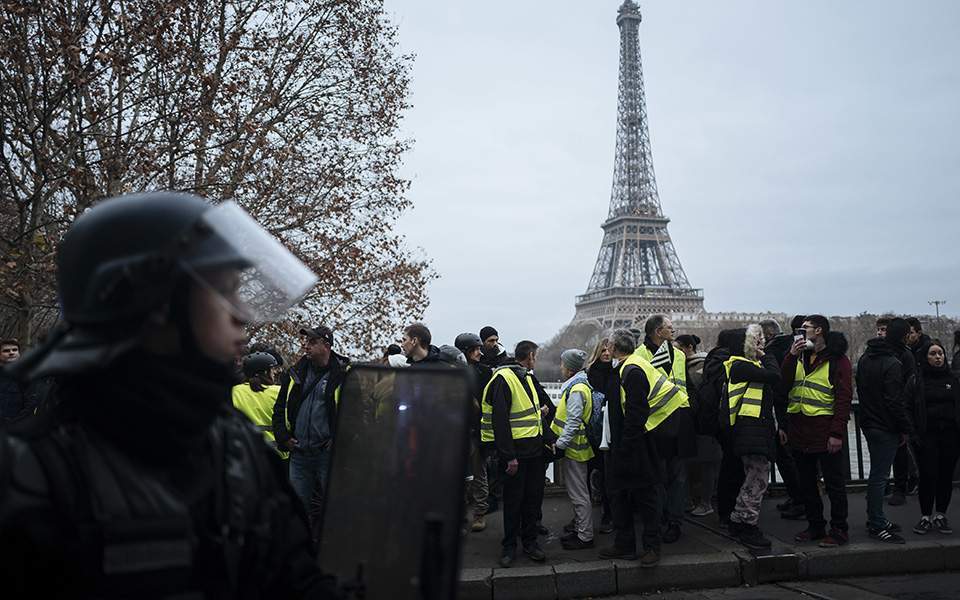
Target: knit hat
{"points": [[487, 332], [573, 359]]}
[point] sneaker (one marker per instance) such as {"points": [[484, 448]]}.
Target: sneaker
{"points": [[611, 552], [671, 534], [650, 558], [535, 553], [606, 526], [576, 544], [889, 526], [885, 535], [941, 524], [835, 538], [506, 559], [570, 527], [913, 486], [751, 537], [702, 511], [796, 512], [809, 535], [897, 498], [734, 528], [924, 526], [479, 523]]}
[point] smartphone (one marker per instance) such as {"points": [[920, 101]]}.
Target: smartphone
{"points": [[799, 334]]}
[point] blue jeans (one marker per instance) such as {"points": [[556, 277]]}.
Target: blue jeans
{"points": [[883, 447], [309, 470]]}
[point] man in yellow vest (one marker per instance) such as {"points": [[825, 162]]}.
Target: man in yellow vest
{"points": [[570, 425], [677, 439], [257, 395], [510, 417], [817, 380], [647, 399]]}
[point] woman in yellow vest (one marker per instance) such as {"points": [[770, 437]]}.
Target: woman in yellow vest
{"points": [[570, 424], [752, 378], [256, 396]]}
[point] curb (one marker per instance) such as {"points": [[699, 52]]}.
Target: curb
{"points": [[713, 570]]}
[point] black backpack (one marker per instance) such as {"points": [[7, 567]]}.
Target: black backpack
{"points": [[712, 414]]}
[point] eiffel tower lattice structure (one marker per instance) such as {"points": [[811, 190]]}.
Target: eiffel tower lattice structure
{"points": [[638, 272]]}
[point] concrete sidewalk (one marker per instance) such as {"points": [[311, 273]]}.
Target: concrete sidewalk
{"points": [[703, 558]]}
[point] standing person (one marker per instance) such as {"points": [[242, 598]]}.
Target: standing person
{"points": [[905, 472], [752, 379], [933, 401], [702, 469], [11, 391], [883, 419], [600, 374], [677, 439], [570, 424], [416, 345], [257, 395], [472, 348], [305, 414], [511, 419], [778, 344], [494, 354], [816, 377], [713, 394], [152, 320], [917, 340], [633, 467]]}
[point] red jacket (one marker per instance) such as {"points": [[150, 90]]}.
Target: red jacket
{"points": [[809, 434]]}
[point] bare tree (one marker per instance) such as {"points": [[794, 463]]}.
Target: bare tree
{"points": [[290, 108]]}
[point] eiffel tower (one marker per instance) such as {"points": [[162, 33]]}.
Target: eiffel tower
{"points": [[638, 272]]}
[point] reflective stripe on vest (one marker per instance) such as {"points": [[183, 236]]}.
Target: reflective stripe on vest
{"points": [[664, 398], [678, 371], [746, 398], [258, 407], [812, 393], [579, 448], [524, 414]]}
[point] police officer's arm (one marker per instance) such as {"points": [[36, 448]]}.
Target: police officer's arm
{"points": [[280, 431], [637, 389], [500, 400]]}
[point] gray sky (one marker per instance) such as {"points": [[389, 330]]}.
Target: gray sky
{"points": [[808, 153]]}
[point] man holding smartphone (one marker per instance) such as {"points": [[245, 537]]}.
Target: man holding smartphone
{"points": [[817, 379]]}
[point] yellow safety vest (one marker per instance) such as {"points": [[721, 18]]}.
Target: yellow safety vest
{"points": [[258, 407], [579, 448], [678, 372], [665, 397], [746, 398], [524, 414], [812, 393]]}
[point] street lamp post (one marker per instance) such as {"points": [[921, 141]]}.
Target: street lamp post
{"points": [[936, 304]]}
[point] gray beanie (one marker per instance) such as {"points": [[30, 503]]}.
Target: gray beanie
{"points": [[573, 359]]}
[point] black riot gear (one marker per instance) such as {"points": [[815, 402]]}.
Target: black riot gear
{"points": [[258, 362]]}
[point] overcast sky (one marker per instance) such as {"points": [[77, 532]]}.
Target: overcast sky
{"points": [[807, 153]]}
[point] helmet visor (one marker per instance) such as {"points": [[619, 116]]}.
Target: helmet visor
{"points": [[269, 280]]}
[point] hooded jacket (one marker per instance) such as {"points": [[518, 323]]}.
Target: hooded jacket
{"points": [[930, 381], [810, 434], [291, 396], [880, 388]]}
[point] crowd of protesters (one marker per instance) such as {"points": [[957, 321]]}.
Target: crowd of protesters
{"points": [[648, 426]]}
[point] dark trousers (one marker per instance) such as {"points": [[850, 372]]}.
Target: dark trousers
{"points": [[624, 504], [788, 472], [673, 493], [937, 457], [731, 477], [834, 476], [904, 469], [522, 500]]}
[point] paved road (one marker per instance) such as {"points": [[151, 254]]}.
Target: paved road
{"points": [[936, 586]]}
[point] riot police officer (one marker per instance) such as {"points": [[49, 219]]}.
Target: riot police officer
{"points": [[146, 482]]}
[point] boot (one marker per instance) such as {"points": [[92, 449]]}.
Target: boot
{"points": [[751, 537]]}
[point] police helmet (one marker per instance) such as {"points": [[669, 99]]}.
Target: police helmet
{"points": [[467, 341], [258, 362]]}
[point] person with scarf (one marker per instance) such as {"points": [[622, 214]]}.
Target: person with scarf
{"points": [[933, 403]]}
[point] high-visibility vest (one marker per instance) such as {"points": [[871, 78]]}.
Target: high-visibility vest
{"points": [[812, 393], [678, 372], [524, 414], [664, 398], [258, 407], [746, 397], [579, 448]]}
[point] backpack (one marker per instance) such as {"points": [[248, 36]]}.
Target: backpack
{"points": [[712, 394], [595, 426]]}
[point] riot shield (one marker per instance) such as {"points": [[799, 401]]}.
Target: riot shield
{"points": [[393, 512]]}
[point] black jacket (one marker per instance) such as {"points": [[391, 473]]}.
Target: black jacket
{"points": [[433, 356], [500, 399], [756, 436], [633, 461], [290, 397], [919, 351], [880, 388], [916, 401], [495, 359], [780, 346]]}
